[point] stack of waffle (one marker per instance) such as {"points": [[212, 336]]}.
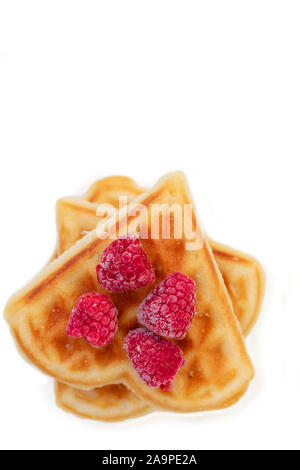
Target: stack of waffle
{"points": [[100, 383]]}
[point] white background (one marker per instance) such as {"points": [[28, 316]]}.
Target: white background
{"points": [[89, 89]]}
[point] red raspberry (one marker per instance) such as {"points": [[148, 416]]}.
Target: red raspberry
{"points": [[156, 360], [169, 308], [124, 265], [95, 318]]}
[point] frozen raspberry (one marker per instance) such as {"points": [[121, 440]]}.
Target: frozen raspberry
{"points": [[169, 308], [95, 318], [124, 265], [156, 360]]}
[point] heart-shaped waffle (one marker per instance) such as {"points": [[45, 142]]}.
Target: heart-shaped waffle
{"points": [[217, 370]]}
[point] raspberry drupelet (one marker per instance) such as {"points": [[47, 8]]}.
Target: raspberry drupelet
{"points": [[94, 317], [124, 265], [169, 309], [155, 359]]}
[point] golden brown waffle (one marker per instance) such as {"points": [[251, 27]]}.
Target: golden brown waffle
{"points": [[109, 403], [217, 369], [242, 274]]}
